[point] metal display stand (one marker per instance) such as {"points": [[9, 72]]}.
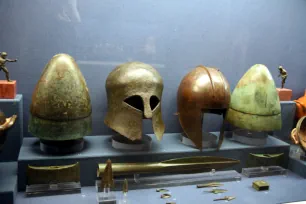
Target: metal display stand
{"points": [[250, 137], [209, 140]]}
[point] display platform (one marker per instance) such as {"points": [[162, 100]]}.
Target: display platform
{"points": [[8, 182], [288, 114], [295, 164], [14, 138], [98, 149], [242, 190]]}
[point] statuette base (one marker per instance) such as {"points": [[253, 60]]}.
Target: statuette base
{"points": [[122, 143], [250, 137], [61, 147], [284, 94], [8, 89]]}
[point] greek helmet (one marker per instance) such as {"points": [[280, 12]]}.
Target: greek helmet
{"points": [[60, 108], [254, 103], [134, 92], [203, 90]]}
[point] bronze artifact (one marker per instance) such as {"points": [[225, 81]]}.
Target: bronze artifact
{"points": [[217, 191], [53, 174], [260, 185], [3, 60], [255, 160], [283, 74], [5, 124], [255, 103], [203, 90], [165, 195], [186, 164], [207, 185], [60, 108], [162, 190], [125, 187], [228, 198], [298, 134], [107, 178], [134, 91]]}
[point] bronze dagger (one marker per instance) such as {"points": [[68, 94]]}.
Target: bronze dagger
{"points": [[185, 164]]}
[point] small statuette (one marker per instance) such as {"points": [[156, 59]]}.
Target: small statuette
{"points": [[228, 198], [283, 74], [161, 190], [165, 196], [3, 61], [206, 185], [216, 191]]}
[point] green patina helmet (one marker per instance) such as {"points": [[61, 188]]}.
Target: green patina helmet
{"points": [[61, 108], [254, 102]]}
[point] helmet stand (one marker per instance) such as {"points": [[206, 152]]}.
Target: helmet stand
{"points": [[209, 140], [254, 138], [61, 147], [122, 143]]}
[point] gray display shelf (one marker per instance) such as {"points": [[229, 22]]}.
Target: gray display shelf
{"points": [[98, 149], [14, 138], [288, 120], [8, 182], [282, 189]]}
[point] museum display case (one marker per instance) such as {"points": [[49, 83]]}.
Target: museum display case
{"points": [[152, 102]]}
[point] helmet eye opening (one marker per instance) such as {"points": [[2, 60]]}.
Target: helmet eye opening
{"points": [[135, 101], [154, 101]]}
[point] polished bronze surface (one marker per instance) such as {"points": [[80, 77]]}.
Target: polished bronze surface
{"points": [[134, 92], [3, 61], [298, 134], [53, 174], [161, 190], [5, 124], [207, 185], [165, 195], [257, 160], [254, 102], [107, 178], [186, 164], [60, 108], [260, 185], [283, 74], [203, 90]]}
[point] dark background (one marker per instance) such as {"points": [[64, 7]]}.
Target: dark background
{"points": [[172, 35]]}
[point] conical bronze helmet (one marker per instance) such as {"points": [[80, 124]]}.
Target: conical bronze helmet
{"points": [[255, 103], [134, 92], [60, 108], [203, 90]]}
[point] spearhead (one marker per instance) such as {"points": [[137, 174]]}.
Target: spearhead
{"points": [[107, 179], [125, 187]]}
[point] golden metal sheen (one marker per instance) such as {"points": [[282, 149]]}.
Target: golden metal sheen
{"points": [[203, 90], [207, 185], [228, 198], [185, 164], [261, 185], [165, 195], [53, 174], [125, 187], [161, 190], [5, 124], [134, 92], [298, 134], [217, 191], [107, 178], [255, 160]]}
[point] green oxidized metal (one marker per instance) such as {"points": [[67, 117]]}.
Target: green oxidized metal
{"points": [[254, 102], [61, 108]]}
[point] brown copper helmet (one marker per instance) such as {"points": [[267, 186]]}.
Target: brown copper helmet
{"points": [[134, 92], [298, 134], [203, 90]]}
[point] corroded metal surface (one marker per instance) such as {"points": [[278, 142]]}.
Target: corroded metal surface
{"points": [[3, 61], [53, 174], [60, 108], [5, 124], [107, 178], [134, 92], [201, 90], [186, 164], [254, 102], [298, 134]]}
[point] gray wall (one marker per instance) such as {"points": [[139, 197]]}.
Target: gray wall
{"points": [[173, 35]]}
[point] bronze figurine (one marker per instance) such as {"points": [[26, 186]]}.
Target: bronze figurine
{"points": [[203, 90], [3, 60], [5, 124], [283, 74], [185, 164], [134, 92]]}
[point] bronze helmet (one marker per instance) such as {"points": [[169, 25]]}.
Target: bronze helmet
{"points": [[134, 92], [201, 90], [255, 103], [60, 108]]}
